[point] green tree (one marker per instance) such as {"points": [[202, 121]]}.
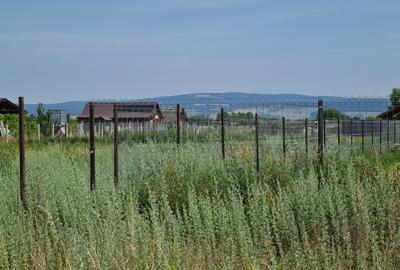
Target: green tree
{"points": [[395, 96], [12, 121], [334, 114], [43, 118]]}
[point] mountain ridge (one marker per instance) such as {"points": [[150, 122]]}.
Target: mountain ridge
{"points": [[203, 102]]}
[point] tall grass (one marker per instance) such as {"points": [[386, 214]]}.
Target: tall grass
{"points": [[185, 208]]}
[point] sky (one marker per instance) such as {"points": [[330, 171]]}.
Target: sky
{"points": [[54, 51]]}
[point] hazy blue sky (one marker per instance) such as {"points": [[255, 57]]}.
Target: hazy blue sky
{"points": [[77, 50]]}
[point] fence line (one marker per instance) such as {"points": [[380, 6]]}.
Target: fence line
{"points": [[323, 132]]}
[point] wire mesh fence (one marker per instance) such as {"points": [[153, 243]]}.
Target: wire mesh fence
{"points": [[298, 129], [348, 124]]}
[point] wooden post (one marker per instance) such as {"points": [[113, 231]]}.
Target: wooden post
{"points": [[257, 145], [92, 148], [283, 136], [101, 130], [380, 136], [116, 169], [338, 131], [178, 124], [22, 183], [362, 135], [222, 133], [394, 132], [80, 130], [306, 135], [38, 132], [66, 130], [7, 131]]}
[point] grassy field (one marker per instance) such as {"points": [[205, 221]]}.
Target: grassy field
{"points": [[187, 209]]}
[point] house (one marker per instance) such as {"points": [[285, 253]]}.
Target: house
{"points": [[7, 107], [392, 113], [143, 112], [169, 116]]}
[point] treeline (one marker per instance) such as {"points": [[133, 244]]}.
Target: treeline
{"points": [[41, 117]]}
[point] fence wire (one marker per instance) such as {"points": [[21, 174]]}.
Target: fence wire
{"points": [[350, 124]]}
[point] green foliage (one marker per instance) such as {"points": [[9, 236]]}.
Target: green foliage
{"points": [[334, 114], [240, 118], [185, 208], [44, 119], [395, 96], [12, 121]]}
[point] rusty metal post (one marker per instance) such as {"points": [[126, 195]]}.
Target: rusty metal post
{"points": [[116, 163], [306, 135], [222, 133], [380, 136], [22, 183], [338, 131], [321, 133], [362, 135], [178, 124], [324, 132], [92, 148], [284, 136], [321, 128], [257, 145]]}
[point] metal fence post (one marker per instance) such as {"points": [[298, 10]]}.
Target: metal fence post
{"points": [[388, 134], [324, 131], [351, 132], [116, 169], [338, 131], [22, 183], [394, 132], [92, 148], [306, 135], [178, 124], [321, 134], [257, 145], [362, 135], [372, 133], [284, 136], [222, 133], [380, 136]]}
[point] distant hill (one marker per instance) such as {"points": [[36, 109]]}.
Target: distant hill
{"points": [[290, 105], [72, 107]]}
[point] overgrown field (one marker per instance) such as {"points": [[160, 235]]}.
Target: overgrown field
{"points": [[185, 208]]}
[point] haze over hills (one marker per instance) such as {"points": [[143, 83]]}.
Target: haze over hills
{"points": [[268, 104]]}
